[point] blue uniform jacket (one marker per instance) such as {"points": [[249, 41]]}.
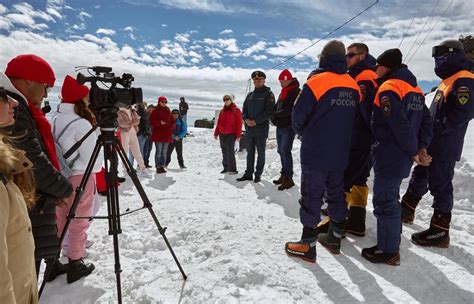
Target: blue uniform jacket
{"points": [[401, 124], [364, 75], [452, 109], [324, 115], [258, 105]]}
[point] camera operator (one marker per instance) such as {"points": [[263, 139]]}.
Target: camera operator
{"points": [[74, 121], [31, 79]]}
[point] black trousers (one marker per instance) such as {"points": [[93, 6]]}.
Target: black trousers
{"points": [[256, 142], [178, 144], [228, 155]]}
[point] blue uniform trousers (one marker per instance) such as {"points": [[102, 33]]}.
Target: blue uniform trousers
{"points": [[313, 185], [388, 211], [438, 178]]}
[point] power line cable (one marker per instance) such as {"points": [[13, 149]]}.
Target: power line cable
{"points": [[429, 32], [408, 28], [422, 29], [327, 35]]}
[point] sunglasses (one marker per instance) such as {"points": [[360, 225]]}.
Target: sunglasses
{"points": [[226, 98], [163, 101], [350, 55]]}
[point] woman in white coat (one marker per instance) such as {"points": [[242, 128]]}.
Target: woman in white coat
{"points": [[73, 121]]}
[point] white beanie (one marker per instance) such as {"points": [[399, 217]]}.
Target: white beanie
{"points": [[231, 96]]}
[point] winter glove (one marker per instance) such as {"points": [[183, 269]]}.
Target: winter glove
{"points": [[236, 147]]}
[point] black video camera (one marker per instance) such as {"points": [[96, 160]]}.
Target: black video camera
{"points": [[111, 97]]}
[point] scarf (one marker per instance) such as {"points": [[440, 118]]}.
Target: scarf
{"points": [[44, 129], [286, 90]]}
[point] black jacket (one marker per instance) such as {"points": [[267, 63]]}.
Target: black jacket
{"points": [[281, 116], [258, 106], [50, 184], [144, 128], [183, 108]]}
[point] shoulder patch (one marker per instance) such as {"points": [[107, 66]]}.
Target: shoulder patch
{"points": [[463, 95], [385, 105], [438, 96]]}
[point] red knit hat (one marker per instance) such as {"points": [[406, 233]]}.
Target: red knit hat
{"points": [[72, 91], [31, 67], [285, 75], [162, 98]]}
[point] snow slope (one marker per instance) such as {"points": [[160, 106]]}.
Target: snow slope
{"points": [[229, 238]]}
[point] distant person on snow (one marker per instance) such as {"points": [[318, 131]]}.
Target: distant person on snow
{"points": [[257, 110], [323, 116], [229, 131], [451, 111], [281, 118], [161, 122], [183, 109], [179, 131], [402, 130]]}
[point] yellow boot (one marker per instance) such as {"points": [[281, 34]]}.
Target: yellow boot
{"points": [[355, 223]]}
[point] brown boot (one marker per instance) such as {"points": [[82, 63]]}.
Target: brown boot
{"points": [[280, 180], [287, 184]]}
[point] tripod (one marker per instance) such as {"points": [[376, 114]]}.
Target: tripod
{"points": [[112, 147]]}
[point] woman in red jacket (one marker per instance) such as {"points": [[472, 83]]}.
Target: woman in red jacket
{"points": [[162, 125], [229, 130]]}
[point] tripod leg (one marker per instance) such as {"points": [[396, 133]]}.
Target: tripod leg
{"points": [[72, 211], [147, 203]]}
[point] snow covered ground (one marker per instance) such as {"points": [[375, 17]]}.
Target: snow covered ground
{"points": [[229, 238]]}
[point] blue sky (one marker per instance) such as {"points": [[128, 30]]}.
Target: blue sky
{"points": [[205, 48]]}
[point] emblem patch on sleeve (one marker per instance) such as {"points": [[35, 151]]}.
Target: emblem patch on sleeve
{"points": [[363, 90], [463, 95], [438, 96], [385, 106]]}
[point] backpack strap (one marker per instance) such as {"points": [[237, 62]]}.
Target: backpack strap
{"points": [[65, 128]]}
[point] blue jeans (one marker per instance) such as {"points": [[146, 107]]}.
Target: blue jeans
{"points": [[285, 138], [388, 211], [314, 183], [141, 143], [160, 153]]}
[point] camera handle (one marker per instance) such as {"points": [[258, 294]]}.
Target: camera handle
{"points": [[112, 147]]}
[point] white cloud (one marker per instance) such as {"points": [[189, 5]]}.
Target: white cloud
{"points": [[54, 12], [128, 28], [257, 47], [199, 5], [83, 15], [28, 10], [164, 25], [260, 57], [5, 24], [79, 27], [250, 35], [183, 38], [25, 20], [105, 31], [227, 44], [3, 9], [226, 32]]}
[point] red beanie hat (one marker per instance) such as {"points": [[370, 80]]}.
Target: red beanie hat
{"points": [[72, 91], [162, 98], [285, 75], [31, 67]]}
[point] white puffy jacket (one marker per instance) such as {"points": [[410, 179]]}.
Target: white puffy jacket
{"points": [[73, 134]]}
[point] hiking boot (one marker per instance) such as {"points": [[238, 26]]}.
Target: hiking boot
{"points": [[120, 179], [305, 248], [78, 269], [182, 167], [355, 223], [280, 180], [332, 239], [233, 172], [57, 269], [257, 179], [409, 203], [245, 177], [287, 184], [438, 233], [375, 255], [224, 171]]}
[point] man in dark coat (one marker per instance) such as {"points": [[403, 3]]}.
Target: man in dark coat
{"points": [[451, 111], [257, 110], [183, 109], [31, 78], [281, 118]]}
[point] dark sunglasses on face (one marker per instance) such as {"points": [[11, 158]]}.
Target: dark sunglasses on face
{"points": [[226, 98], [350, 55]]}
